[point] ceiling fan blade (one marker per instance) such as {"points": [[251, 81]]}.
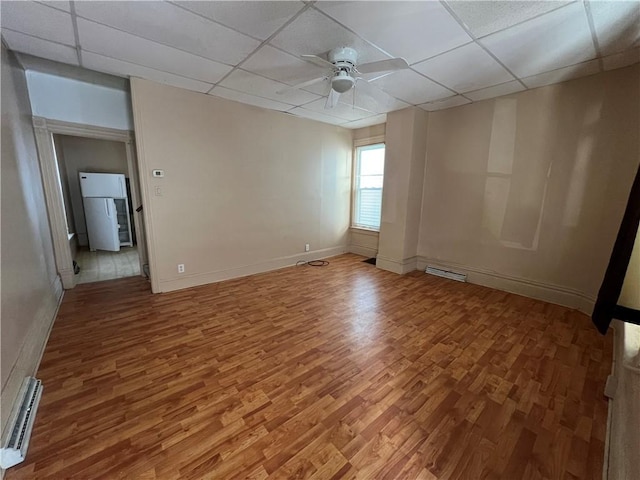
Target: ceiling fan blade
{"points": [[332, 99], [372, 98], [302, 85], [378, 77], [384, 65], [321, 62]]}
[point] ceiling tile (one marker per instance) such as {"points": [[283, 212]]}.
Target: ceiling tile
{"points": [[129, 48], [495, 91], [412, 30], [313, 115], [321, 88], [548, 42], [314, 34], [40, 48], [345, 112], [170, 25], [617, 25], [454, 101], [281, 66], [367, 122], [248, 82], [118, 67], [369, 97], [38, 20], [258, 19], [63, 5], [485, 17], [411, 87], [623, 59], [249, 99], [466, 68], [562, 74]]}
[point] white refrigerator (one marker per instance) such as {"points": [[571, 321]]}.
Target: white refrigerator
{"points": [[106, 210]]}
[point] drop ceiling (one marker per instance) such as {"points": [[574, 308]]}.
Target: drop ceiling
{"points": [[459, 52]]}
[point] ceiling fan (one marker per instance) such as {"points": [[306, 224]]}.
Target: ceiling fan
{"points": [[345, 73]]}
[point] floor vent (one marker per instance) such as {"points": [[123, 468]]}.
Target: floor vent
{"points": [[460, 277], [16, 448]]}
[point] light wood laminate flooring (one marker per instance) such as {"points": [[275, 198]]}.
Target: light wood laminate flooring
{"points": [[343, 371]]}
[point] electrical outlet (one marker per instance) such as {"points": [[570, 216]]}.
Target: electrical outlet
{"points": [[306, 247], [181, 268]]}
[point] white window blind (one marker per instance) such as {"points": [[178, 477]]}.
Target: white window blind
{"points": [[369, 175]]}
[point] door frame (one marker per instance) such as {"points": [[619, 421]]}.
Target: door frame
{"points": [[44, 129]]}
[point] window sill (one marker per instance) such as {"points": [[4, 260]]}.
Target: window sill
{"points": [[365, 231]]}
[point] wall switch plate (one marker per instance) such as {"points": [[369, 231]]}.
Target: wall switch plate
{"points": [[181, 268], [306, 247], [158, 173]]}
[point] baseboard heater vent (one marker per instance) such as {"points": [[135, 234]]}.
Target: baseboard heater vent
{"points": [[16, 448], [460, 277]]}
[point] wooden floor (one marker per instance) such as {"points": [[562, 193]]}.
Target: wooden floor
{"points": [[344, 371]]}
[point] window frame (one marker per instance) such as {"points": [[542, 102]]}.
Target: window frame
{"points": [[363, 142]]}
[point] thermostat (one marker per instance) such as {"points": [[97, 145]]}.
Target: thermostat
{"points": [[158, 173]]}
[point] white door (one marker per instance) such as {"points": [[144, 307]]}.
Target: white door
{"points": [[102, 185], [102, 224]]}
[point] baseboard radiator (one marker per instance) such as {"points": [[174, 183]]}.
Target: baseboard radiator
{"points": [[15, 449], [460, 277]]}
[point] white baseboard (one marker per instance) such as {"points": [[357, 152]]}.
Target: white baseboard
{"points": [[30, 355], [362, 250], [397, 266], [186, 281], [547, 292]]}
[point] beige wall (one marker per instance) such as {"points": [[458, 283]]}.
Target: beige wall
{"points": [[369, 132], [402, 190], [363, 242], [30, 286], [244, 188], [530, 189], [79, 154]]}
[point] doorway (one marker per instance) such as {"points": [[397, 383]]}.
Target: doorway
{"points": [[66, 150], [103, 160]]}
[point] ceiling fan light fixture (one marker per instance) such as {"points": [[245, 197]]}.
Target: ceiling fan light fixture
{"points": [[342, 82]]}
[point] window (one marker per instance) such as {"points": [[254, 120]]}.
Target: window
{"points": [[368, 176]]}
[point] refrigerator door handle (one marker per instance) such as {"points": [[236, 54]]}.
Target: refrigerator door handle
{"points": [[106, 207]]}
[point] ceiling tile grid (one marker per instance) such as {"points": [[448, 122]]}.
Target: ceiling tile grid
{"points": [[100, 63], [458, 51], [554, 40], [259, 19], [248, 82], [454, 101], [450, 69], [254, 100], [38, 20], [170, 25], [41, 48], [109, 42], [412, 30]]}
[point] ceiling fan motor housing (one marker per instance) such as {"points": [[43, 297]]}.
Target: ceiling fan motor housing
{"points": [[342, 82], [343, 57]]}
